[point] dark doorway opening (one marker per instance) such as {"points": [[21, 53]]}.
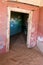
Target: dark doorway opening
{"points": [[18, 27]]}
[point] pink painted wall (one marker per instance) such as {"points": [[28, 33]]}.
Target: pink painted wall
{"points": [[41, 22], [40, 31], [4, 19]]}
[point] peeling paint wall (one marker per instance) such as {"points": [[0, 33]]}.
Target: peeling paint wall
{"points": [[41, 22], [4, 19], [40, 31], [34, 32]]}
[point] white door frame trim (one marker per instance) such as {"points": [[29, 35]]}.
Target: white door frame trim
{"points": [[29, 25]]}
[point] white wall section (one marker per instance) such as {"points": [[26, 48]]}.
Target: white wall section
{"points": [[33, 2]]}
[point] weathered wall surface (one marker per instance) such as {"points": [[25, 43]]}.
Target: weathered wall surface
{"points": [[4, 19], [40, 31], [33, 2], [41, 22]]}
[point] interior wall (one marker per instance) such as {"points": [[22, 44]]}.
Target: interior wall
{"points": [[40, 31], [41, 22], [4, 19]]}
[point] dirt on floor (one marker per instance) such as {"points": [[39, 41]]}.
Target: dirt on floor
{"points": [[19, 54]]}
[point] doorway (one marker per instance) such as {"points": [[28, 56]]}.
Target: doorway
{"points": [[24, 14], [18, 28]]}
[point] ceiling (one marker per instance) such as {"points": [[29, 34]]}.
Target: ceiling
{"points": [[41, 2], [34, 2]]}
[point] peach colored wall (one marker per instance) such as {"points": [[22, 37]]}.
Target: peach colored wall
{"points": [[41, 22], [4, 19], [40, 31]]}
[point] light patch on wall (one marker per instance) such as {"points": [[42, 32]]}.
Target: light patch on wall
{"points": [[13, 0], [40, 38], [33, 43], [33, 29], [4, 0], [2, 43], [40, 43]]}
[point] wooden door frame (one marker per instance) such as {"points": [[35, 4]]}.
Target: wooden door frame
{"points": [[29, 25]]}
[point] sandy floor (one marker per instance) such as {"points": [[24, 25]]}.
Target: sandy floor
{"points": [[19, 54]]}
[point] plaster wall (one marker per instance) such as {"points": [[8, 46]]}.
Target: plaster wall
{"points": [[4, 19], [40, 30]]}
